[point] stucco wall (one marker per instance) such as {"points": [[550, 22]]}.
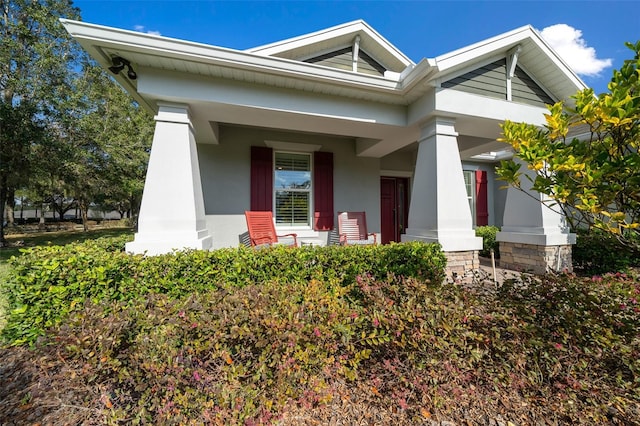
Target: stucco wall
{"points": [[402, 161], [499, 200], [225, 173]]}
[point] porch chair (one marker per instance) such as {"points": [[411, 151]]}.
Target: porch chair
{"points": [[352, 229], [262, 229]]}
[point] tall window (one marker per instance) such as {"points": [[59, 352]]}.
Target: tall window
{"points": [[292, 187], [470, 185]]}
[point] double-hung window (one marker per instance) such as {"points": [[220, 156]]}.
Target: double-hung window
{"points": [[292, 188], [297, 186], [470, 185], [475, 182]]}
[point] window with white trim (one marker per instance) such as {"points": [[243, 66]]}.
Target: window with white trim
{"points": [[292, 188], [470, 186]]}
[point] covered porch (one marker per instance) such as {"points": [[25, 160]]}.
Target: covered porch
{"points": [[419, 122]]}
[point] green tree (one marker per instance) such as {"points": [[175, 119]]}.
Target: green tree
{"points": [[592, 176], [35, 56], [109, 137]]}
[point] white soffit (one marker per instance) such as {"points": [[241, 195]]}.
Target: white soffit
{"points": [[329, 39]]}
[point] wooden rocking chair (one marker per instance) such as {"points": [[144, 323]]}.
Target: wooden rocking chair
{"points": [[262, 230], [352, 229]]}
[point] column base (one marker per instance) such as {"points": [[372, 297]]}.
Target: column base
{"points": [[460, 263], [167, 242], [538, 259]]}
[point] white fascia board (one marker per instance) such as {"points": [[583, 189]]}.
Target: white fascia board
{"points": [[413, 74], [91, 35], [379, 39], [353, 27], [306, 39], [483, 48]]}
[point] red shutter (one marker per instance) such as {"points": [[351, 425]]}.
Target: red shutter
{"points": [[261, 179], [323, 191], [482, 204]]}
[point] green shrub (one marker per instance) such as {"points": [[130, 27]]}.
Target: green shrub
{"points": [[561, 348], [45, 284], [239, 355], [488, 234], [596, 252]]}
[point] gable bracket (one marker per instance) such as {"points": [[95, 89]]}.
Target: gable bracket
{"points": [[512, 61], [356, 53]]}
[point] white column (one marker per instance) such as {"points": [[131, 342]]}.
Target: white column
{"points": [[527, 220], [439, 210], [172, 211]]}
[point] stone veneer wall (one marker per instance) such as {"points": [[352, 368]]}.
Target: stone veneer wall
{"points": [[461, 262], [535, 258]]}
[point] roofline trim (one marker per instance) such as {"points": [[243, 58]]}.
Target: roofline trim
{"points": [[93, 36]]}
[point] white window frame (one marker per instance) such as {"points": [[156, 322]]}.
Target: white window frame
{"points": [[309, 191], [471, 193]]}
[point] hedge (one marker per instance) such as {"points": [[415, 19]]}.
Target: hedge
{"points": [[46, 284]]}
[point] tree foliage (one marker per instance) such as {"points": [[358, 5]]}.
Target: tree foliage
{"points": [[69, 136], [110, 137], [35, 55], [586, 157]]}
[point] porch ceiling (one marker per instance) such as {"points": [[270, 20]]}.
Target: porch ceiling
{"points": [[476, 136], [383, 138]]}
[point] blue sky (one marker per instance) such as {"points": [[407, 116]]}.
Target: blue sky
{"points": [[590, 35]]}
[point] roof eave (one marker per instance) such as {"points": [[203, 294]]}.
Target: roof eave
{"points": [[97, 39]]}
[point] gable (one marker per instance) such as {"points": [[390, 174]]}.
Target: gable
{"points": [[524, 89], [343, 59], [327, 44], [491, 80]]}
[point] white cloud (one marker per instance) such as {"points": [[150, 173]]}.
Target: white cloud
{"points": [[141, 28], [569, 44]]}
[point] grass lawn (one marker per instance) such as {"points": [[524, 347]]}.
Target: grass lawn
{"points": [[60, 238], [33, 239]]}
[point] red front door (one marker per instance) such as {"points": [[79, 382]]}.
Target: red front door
{"points": [[394, 204]]}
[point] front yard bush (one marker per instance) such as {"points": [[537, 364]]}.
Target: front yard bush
{"points": [[488, 234], [597, 252], [311, 335], [561, 350], [45, 284]]}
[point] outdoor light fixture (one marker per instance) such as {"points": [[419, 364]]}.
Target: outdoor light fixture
{"points": [[118, 65]]}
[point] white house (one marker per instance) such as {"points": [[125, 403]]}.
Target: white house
{"points": [[338, 120]]}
